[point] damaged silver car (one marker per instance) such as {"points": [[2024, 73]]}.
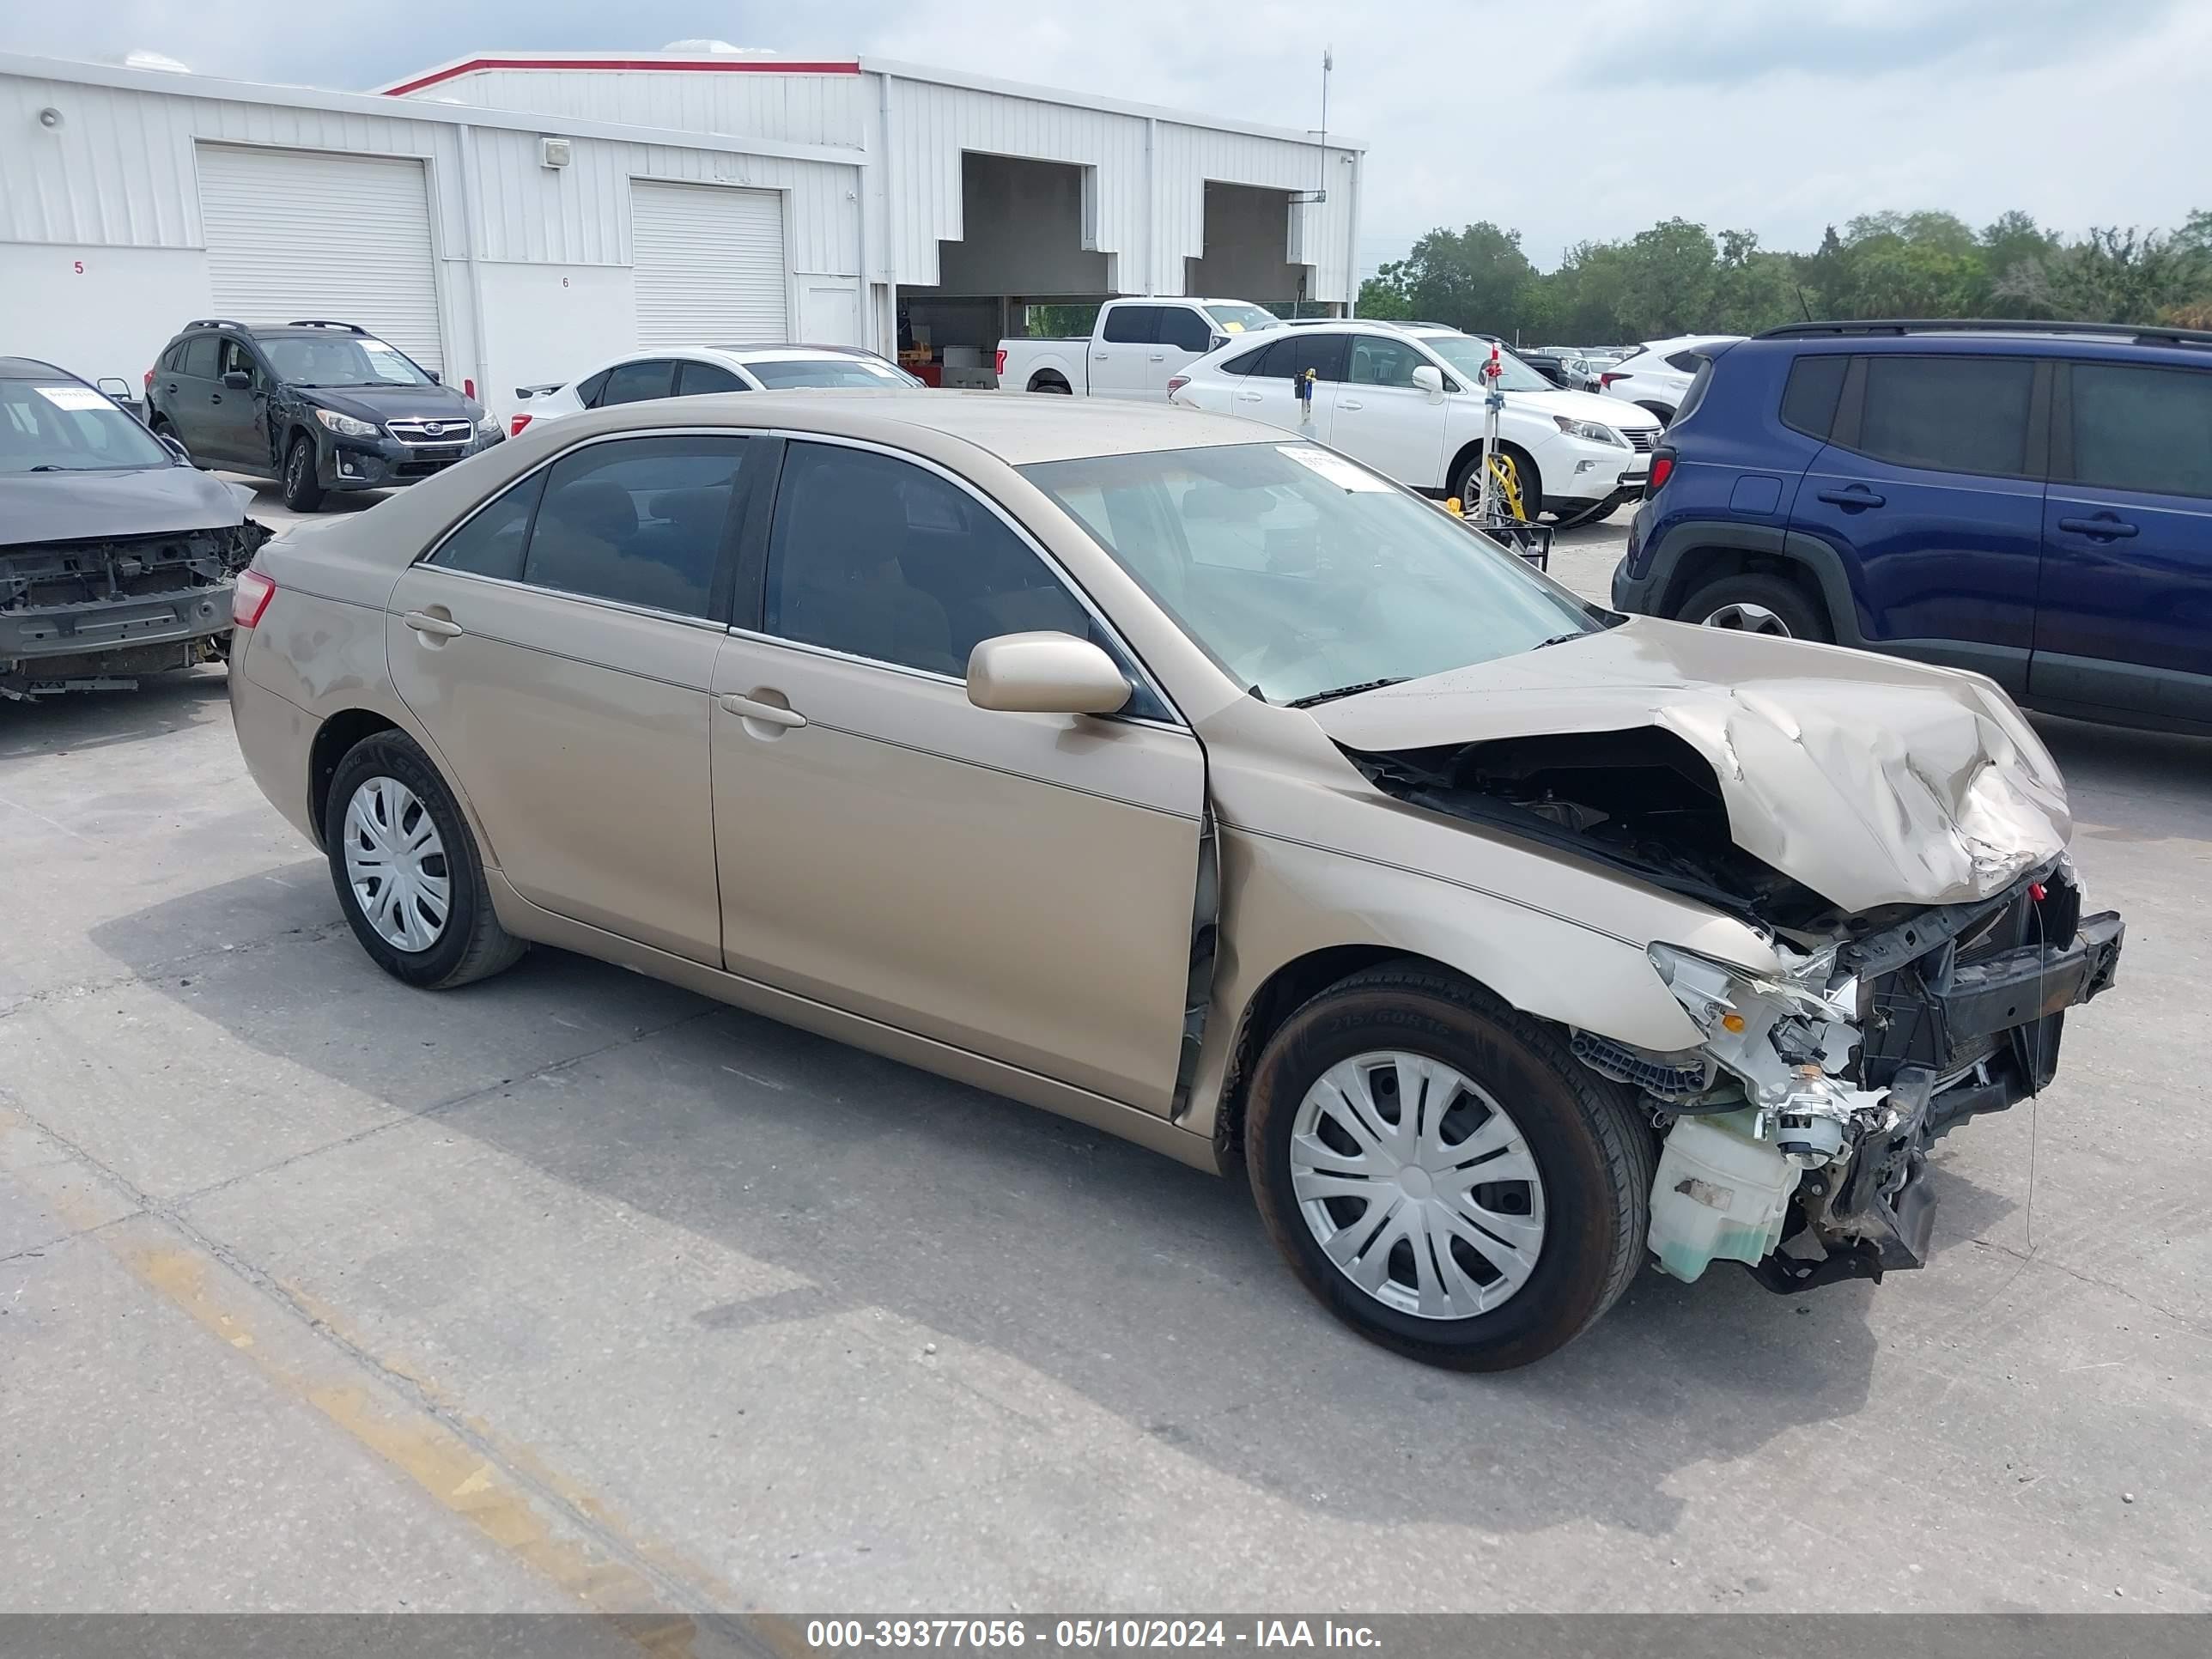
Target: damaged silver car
{"points": [[117, 556]]}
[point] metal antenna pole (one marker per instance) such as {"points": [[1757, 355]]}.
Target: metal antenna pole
{"points": [[1492, 406]]}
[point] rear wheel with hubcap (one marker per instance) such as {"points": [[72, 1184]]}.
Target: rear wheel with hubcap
{"points": [[406, 868], [1755, 603], [1442, 1174]]}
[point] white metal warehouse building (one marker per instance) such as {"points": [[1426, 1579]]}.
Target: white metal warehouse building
{"points": [[512, 219]]}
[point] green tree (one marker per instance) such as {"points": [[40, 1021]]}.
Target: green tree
{"points": [[1469, 278], [1670, 282], [2115, 275]]}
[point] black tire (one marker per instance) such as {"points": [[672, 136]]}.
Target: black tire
{"points": [[303, 492], [472, 944], [1468, 485], [161, 427], [1052, 384], [1799, 616], [1595, 1157]]}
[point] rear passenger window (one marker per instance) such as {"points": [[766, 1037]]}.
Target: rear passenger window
{"points": [[1809, 402], [491, 543], [1948, 414], [1687, 361], [2147, 429], [639, 520], [199, 356], [696, 379], [589, 390], [1186, 330], [1131, 325], [1247, 364], [1300, 350], [638, 383]]}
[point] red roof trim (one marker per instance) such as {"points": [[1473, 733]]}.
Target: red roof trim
{"points": [[738, 65]]}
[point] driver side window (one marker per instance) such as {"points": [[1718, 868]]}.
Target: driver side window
{"points": [[1378, 361], [235, 359]]}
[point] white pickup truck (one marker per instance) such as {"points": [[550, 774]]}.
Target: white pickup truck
{"points": [[1131, 349]]}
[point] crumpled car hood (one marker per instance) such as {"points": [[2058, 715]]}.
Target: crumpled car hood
{"points": [[88, 506], [1872, 781]]}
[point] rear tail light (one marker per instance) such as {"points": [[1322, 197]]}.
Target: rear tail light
{"points": [[150, 381], [1610, 376], [999, 362], [1176, 383], [520, 422], [468, 388], [1663, 468], [250, 598]]}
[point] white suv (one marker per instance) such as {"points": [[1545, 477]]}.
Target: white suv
{"points": [[637, 377], [1409, 401], [1656, 376]]}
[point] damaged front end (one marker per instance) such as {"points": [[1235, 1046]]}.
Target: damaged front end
{"points": [[1797, 1132], [92, 615]]}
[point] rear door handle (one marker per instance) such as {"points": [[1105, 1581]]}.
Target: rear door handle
{"points": [[1159, 356], [441, 628], [1249, 397], [1347, 403], [2104, 527], [1856, 495], [767, 714]]}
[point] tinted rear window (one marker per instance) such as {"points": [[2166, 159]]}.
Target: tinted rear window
{"points": [[2147, 429], [1948, 414], [1809, 402]]}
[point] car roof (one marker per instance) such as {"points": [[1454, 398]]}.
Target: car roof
{"points": [[1018, 427], [31, 368], [2123, 342]]}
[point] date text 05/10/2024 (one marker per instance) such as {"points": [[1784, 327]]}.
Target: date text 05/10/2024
{"points": [[1075, 1634]]}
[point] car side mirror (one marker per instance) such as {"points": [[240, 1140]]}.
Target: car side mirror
{"points": [[434, 379], [1046, 673], [1430, 379], [237, 380], [175, 447]]}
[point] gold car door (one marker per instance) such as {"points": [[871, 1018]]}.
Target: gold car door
{"points": [[558, 648], [1018, 885]]}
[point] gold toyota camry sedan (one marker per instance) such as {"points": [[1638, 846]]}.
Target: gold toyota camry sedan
{"points": [[1194, 781]]}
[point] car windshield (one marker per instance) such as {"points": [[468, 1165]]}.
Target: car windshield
{"points": [[59, 426], [1302, 573], [1241, 320], [340, 360], [1467, 354], [827, 371]]}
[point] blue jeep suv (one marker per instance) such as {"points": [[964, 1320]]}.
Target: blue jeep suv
{"points": [[2032, 501]]}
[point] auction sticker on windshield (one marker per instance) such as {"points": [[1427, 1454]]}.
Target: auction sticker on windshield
{"points": [[72, 397], [1335, 468]]}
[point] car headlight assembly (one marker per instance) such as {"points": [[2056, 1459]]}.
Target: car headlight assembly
{"points": [[487, 423], [1594, 432], [1788, 1038], [345, 426]]}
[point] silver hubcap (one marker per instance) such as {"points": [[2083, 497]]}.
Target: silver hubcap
{"points": [[1745, 618], [1416, 1185], [396, 864]]}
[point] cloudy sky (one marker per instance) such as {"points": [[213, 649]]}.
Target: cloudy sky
{"points": [[1565, 119]]}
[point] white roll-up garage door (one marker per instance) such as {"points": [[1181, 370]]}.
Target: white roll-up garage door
{"points": [[298, 233], [707, 262]]}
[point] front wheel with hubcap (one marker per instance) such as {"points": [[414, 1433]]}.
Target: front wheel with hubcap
{"points": [[406, 868], [1442, 1174], [1754, 603], [303, 492]]}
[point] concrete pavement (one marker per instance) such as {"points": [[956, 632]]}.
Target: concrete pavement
{"points": [[572, 1290]]}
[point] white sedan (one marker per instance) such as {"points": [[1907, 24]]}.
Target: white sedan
{"points": [[690, 371], [1408, 400]]}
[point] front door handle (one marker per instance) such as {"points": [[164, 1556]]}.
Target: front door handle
{"points": [[439, 628], [215, 397], [1347, 403], [1856, 495], [1159, 356], [767, 714], [2104, 527], [1250, 398]]}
